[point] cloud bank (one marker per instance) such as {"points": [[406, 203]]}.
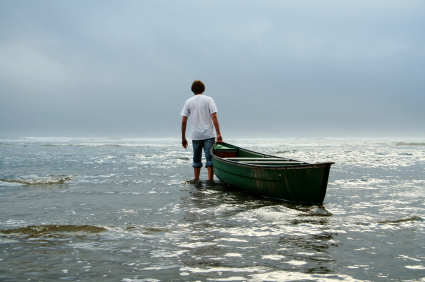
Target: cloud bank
{"points": [[274, 68]]}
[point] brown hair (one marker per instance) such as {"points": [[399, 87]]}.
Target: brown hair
{"points": [[198, 87]]}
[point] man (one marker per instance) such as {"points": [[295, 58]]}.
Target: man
{"points": [[204, 119]]}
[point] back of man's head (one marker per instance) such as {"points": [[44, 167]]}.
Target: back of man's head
{"points": [[198, 87]]}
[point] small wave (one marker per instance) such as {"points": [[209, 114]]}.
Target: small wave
{"points": [[318, 212], [106, 145], [412, 218], [284, 152], [153, 230], [410, 144], [34, 231], [192, 182], [5, 144], [49, 180]]}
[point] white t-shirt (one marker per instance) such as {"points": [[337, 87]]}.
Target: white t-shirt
{"points": [[200, 107]]}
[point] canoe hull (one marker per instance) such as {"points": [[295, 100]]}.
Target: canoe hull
{"points": [[306, 183]]}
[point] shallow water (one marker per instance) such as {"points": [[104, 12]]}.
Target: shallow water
{"points": [[128, 210]]}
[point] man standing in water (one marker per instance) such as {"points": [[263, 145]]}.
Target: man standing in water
{"points": [[204, 119]]}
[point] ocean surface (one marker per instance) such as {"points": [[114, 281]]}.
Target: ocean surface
{"points": [[129, 210]]}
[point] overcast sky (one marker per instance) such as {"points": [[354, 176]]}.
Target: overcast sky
{"points": [[274, 68]]}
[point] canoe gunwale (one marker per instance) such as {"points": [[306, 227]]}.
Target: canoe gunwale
{"points": [[277, 167], [303, 165]]}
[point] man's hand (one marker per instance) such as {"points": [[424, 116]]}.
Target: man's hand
{"points": [[184, 143], [219, 138]]}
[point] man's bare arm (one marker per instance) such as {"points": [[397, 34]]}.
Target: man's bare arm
{"points": [[217, 127], [184, 124]]}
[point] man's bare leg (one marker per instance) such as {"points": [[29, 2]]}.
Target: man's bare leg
{"points": [[197, 172], [210, 173]]}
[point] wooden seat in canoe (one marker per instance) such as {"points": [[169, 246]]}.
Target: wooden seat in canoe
{"points": [[237, 159], [271, 162], [265, 161]]}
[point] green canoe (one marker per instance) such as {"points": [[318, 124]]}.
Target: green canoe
{"points": [[271, 176]]}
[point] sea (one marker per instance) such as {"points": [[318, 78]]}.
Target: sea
{"points": [[90, 209]]}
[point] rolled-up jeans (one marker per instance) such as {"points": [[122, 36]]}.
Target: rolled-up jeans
{"points": [[197, 152]]}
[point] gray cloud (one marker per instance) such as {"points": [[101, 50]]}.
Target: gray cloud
{"points": [[275, 68]]}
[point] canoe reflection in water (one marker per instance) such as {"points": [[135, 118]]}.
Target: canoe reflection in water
{"points": [[300, 232]]}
